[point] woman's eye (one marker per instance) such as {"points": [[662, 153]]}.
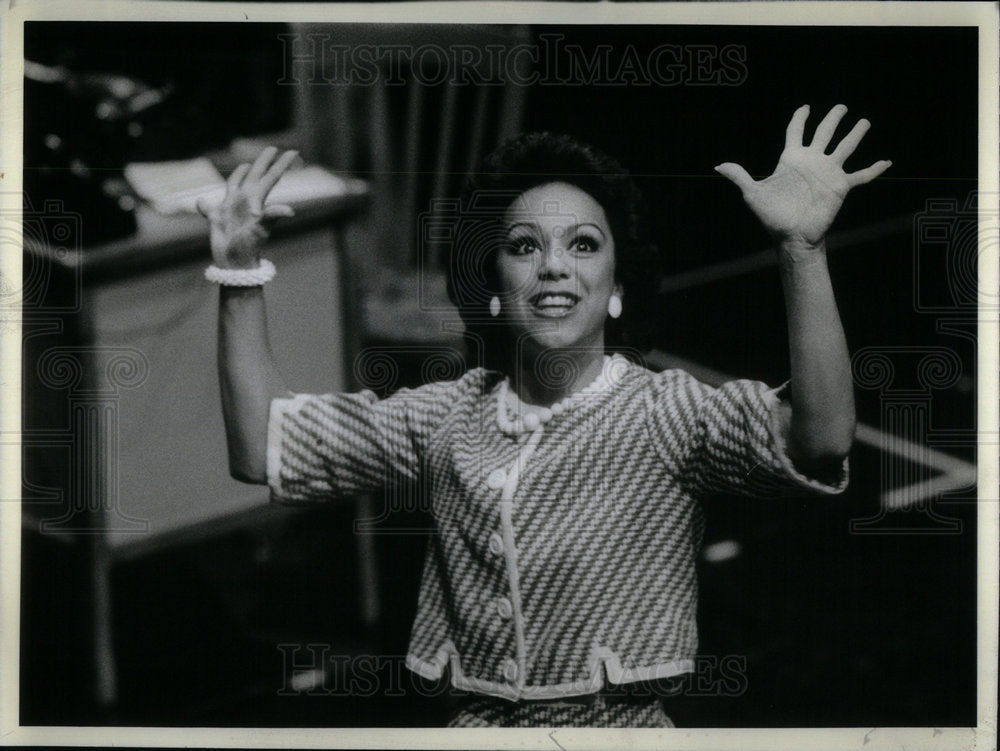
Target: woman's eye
{"points": [[523, 246], [584, 245]]}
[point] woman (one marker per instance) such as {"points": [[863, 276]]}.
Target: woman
{"points": [[564, 480]]}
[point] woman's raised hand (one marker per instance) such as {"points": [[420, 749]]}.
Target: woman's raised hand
{"points": [[799, 200], [241, 222]]}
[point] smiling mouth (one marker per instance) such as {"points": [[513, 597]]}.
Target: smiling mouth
{"points": [[554, 304]]}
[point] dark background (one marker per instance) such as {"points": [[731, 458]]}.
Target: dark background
{"points": [[836, 629]]}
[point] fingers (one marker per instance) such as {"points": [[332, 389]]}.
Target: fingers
{"points": [[850, 142], [236, 177], [824, 131], [256, 181], [869, 173], [736, 174], [202, 206], [261, 163], [277, 170], [278, 211], [796, 127]]}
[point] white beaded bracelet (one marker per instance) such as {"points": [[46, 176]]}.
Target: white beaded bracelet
{"points": [[242, 277]]}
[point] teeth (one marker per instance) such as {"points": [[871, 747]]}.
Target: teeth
{"points": [[560, 300]]}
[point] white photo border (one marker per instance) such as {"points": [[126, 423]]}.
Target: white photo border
{"points": [[979, 14]]}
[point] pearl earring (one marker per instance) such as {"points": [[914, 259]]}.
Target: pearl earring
{"points": [[614, 306], [495, 306]]}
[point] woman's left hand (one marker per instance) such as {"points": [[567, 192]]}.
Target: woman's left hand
{"points": [[797, 203]]}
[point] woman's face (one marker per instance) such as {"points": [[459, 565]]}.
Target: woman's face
{"points": [[556, 268]]}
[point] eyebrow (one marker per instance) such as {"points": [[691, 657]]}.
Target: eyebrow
{"points": [[529, 225], [589, 224], [572, 227]]}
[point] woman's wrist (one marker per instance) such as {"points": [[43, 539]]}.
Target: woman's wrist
{"points": [[797, 252], [238, 263], [239, 293]]}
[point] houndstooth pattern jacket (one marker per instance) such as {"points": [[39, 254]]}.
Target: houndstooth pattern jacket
{"points": [[565, 558]]}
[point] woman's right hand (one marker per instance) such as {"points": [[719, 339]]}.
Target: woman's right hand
{"points": [[240, 223]]}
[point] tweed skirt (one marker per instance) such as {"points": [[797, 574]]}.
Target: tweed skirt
{"points": [[596, 711]]}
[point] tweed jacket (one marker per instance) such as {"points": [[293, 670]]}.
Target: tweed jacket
{"points": [[564, 558]]}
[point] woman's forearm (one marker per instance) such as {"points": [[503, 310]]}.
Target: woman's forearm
{"points": [[823, 420], [248, 379]]}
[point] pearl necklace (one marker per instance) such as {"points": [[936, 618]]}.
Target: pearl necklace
{"points": [[529, 419]]}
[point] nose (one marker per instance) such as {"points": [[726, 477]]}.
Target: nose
{"points": [[553, 263]]}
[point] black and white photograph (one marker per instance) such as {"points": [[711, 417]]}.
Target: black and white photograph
{"points": [[373, 372]]}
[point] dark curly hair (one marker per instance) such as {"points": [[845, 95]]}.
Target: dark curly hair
{"points": [[522, 163]]}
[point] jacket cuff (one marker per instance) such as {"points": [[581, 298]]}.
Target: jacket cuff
{"points": [[777, 426], [275, 433]]}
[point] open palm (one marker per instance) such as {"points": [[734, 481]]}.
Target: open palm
{"points": [[240, 223], [800, 199]]}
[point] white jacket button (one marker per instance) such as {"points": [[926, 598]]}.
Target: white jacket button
{"points": [[509, 669], [496, 479], [496, 544], [504, 608]]}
